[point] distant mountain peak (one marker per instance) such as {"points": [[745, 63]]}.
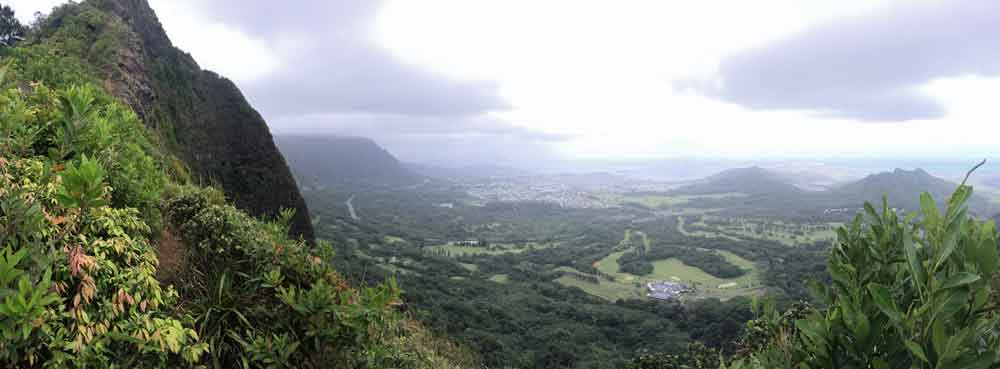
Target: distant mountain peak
{"points": [[902, 187], [342, 160], [748, 180]]}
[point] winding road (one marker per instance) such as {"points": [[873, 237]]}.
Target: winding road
{"points": [[350, 208]]}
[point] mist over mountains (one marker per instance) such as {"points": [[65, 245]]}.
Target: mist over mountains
{"points": [[784, 187], [344, 160]]}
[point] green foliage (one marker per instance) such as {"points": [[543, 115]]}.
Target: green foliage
{"points": [[909, 292], [77, 285], [83, 185], [695, 356], [44, 63], [84, 31], [81, 192], [260, 299]]}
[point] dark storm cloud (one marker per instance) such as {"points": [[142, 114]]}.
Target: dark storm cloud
{"points": [[867, 68]]}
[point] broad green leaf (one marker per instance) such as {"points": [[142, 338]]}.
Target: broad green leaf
{"points": [[913, 260], [857, 321], [953, 347], [818, 291], [981, 361], [939, 337], [956, 300], [917, 351], [872, 213], [929, 209], [960, 279], [883, 300], [986, 254], [840, 273], [880, 363], [957, 200], [951, 238]]}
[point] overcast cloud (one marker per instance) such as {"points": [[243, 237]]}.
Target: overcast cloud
{"points": [[521, 81], [869, 68], [334, 67], [337, 80]]}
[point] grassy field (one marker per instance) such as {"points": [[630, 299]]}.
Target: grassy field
{"points": [[700, 233], [610, 291], [390, 240], [772, 230], [665, 202], [628, 285], [495, 249], [500, 278], [707, 285]]}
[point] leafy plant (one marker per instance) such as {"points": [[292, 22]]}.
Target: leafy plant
{"points": [[83, 185], [908, 292]]}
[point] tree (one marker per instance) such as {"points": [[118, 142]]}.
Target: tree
{"points": [[11, 29]]}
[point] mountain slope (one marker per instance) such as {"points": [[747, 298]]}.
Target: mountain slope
{"points": [[198, 116], [110, 257], [901, 187], [340, 160], [750, 181]]}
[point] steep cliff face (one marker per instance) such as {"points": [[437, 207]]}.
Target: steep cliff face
{"points": [[201, 117]]}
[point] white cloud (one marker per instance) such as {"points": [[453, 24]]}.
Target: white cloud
{"points": [[605, 72], [25, 9], [216, 46]]}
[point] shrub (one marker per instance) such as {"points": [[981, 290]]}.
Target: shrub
{"points": [[257, 297], [911, 292]]}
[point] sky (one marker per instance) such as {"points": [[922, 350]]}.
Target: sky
{"points": [[517, 82]]}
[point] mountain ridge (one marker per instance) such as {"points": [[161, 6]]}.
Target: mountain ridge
{"points": [[750, 180], [350, 161], [902, 188], [199, 116], [768, 191]]}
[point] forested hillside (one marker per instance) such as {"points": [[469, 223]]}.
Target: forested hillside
{"points": [[199, 117], [111, 255]]}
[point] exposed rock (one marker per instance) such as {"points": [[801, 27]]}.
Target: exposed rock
{"points": [[199, 116]]}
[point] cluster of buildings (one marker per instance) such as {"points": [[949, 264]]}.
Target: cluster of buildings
{"points": [[666, 290], [550, 192]]}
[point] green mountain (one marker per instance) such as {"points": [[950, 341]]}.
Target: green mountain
{"points": [[769, 193], [749, 181], [901, 187], [343, 161], [200, 117]]}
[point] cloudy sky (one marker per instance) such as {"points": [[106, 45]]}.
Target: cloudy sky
{"points": [[516, 81]]}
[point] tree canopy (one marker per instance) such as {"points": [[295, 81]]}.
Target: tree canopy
{"points": [[11, 29]]}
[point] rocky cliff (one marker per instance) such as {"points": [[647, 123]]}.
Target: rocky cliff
{"points": [[199, 116]]}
